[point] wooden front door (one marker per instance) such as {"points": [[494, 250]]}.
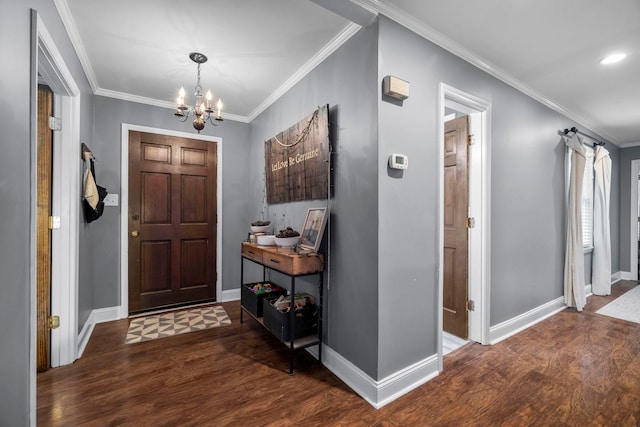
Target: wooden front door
{"points": [[43, 232], [456, 208], [172, 221]]}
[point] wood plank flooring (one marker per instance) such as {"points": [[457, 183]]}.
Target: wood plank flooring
{"points": [[573, 369]]}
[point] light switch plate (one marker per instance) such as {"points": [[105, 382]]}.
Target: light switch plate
{"points": [[111, 200]]}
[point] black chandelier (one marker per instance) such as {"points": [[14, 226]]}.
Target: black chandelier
{"points": [[202, 109]]}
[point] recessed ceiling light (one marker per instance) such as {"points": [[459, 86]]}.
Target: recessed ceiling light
{"points": [[613, 58]]}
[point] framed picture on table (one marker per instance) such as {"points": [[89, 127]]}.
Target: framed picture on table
{"points": [[313, 229]]}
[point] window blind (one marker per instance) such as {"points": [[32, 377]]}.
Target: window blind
{"points": [[587, 204]]}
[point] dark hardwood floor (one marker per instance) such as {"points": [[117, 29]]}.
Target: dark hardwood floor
{"points": [[573, 369]]}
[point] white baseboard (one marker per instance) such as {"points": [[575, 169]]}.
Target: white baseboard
{"points": [[588, 290], [230, 295], [384, 391], [98, 315], [615, 277], [519, 323], [624, 275]]}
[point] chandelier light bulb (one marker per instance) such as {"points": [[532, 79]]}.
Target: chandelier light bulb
{"points": [[219, 105], [209, 96]]}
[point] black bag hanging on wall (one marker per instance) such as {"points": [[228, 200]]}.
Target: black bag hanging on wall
{"points": [[91, 213]]}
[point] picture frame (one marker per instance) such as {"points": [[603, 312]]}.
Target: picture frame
{"points": [[313, 229]]}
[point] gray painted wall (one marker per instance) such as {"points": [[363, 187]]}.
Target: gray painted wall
{"points": [[626, 234], [527, 197], [15, 194], [347, 82], [109, 115]]}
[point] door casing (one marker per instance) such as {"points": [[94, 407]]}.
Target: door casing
{"points": [[479, 112], [47, 61], [124, 207]]}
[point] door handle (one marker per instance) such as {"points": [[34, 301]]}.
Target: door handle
{"points": [[135, 233]]}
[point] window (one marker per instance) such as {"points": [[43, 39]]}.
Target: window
{"points": [[587, 204]]}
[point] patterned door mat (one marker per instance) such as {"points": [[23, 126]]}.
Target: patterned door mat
{"points": [[176, 322]]}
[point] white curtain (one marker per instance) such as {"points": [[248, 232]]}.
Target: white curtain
{"points": [[574, 293], [601, 268]]}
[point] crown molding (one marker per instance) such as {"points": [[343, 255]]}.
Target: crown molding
{"points": [[630, 144], [157, 103], [76, 42], [410, 22], [312, 63]]}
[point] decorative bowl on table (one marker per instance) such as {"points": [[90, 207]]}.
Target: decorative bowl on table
{"points": [[266, 240], [287, 238], [260, 226], [287, 242]]}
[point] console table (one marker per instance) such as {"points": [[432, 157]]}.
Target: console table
{"points": [[292, 265]]}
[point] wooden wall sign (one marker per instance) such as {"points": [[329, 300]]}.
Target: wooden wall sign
{"points": [[296, 160]]}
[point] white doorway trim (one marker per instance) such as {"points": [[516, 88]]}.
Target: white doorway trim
{"points": [[124, 207], [479, 111], [47, 61], [65, 196], [633, 220]]}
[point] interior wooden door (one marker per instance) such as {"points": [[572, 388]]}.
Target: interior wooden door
{"points": [[172, 221], [43, 232], [456, 242]]}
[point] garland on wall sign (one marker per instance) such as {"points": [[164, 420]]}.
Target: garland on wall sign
{"points": [[303, 134]]}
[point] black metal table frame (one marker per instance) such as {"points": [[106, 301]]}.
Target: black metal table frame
{"points": [[292, 284]]}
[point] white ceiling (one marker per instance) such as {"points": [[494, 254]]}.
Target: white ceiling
{"points": [[257, 49]]}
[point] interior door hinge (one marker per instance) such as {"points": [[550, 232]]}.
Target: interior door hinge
{"points": [[471, 306], [55, 123], [54, 222], [53, 322], [471, 222], [471, 139]]}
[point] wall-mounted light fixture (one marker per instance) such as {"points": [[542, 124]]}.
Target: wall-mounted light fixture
{"points": [[395, 87]]}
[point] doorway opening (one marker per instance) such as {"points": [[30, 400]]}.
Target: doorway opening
{"points": [[48, 66], [456, 103], [65, 188]]}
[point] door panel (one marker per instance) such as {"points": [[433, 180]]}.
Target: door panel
{"points": [[155, 198], [172, 221], [194, 195], [194, 255], [43, 233], [456, 207]]}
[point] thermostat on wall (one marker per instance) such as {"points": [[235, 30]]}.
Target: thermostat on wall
{"points": [[398, 161]]}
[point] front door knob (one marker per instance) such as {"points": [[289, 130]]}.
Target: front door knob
{"points": [[135, 233]]}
